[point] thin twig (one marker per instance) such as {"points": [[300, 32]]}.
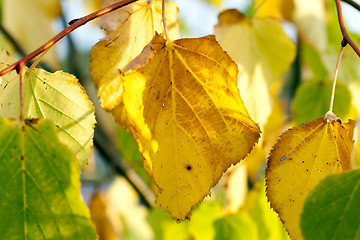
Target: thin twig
{"points": [[164, 20], [353, 4], [335, 77], [346, 37], [74, 25]]}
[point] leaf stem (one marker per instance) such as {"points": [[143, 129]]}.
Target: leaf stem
{"points": [[20, 68], [335, 77], [164, 20], [74, 24], [346, 37]]}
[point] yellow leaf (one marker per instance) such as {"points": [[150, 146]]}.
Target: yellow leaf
{"points": [[299, 160], [34, 27], [262, 51], [130, 29], [187, 116], [93, 5], [279, 9], [104, 228]]}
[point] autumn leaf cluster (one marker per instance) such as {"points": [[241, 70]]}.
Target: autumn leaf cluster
{"points": [[198, 113]]}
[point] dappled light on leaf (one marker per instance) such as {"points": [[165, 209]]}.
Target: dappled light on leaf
{"points": [[302, 157], [58, 97], [39, 178], [187, 116]]}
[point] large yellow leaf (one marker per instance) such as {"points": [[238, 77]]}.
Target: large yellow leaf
{"points": [[34, 27], [130, 29], [187, 116], [299, 160], [262, 51]]}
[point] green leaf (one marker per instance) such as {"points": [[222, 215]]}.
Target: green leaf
{"points": [[39, 181], [165, 228], [202, 221], [235, 227], [332, 210], [266, 219], [312, 59], [55, 96], [312, 100]]}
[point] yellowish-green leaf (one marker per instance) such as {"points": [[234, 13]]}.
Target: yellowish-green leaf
{"points": [[302, 157], [165, 228], [310, 19], [262, 51], [129, 29], [34, 27], [55, 96], [202, 221], [280, 9], [267, 221], [187, 116], [39, 180]]}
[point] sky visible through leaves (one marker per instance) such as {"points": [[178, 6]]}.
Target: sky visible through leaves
{"points": [[200, 14]]}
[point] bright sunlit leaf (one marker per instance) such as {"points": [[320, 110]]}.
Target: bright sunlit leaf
{"points": [[39, 180], [58, 97], [262, 51], [332, 210], [187, 116], [302, 157]]}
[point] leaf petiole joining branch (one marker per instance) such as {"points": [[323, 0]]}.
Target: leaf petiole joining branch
{"points": [[20, 68], [74, 24], [330, 116], [346, 37]]}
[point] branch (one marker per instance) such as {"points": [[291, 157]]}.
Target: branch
{"points": [[74, 24], [353, 4], [346, 37], [113, 158]]}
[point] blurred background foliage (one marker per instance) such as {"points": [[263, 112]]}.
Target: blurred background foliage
{"points": [[115, 185]]}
